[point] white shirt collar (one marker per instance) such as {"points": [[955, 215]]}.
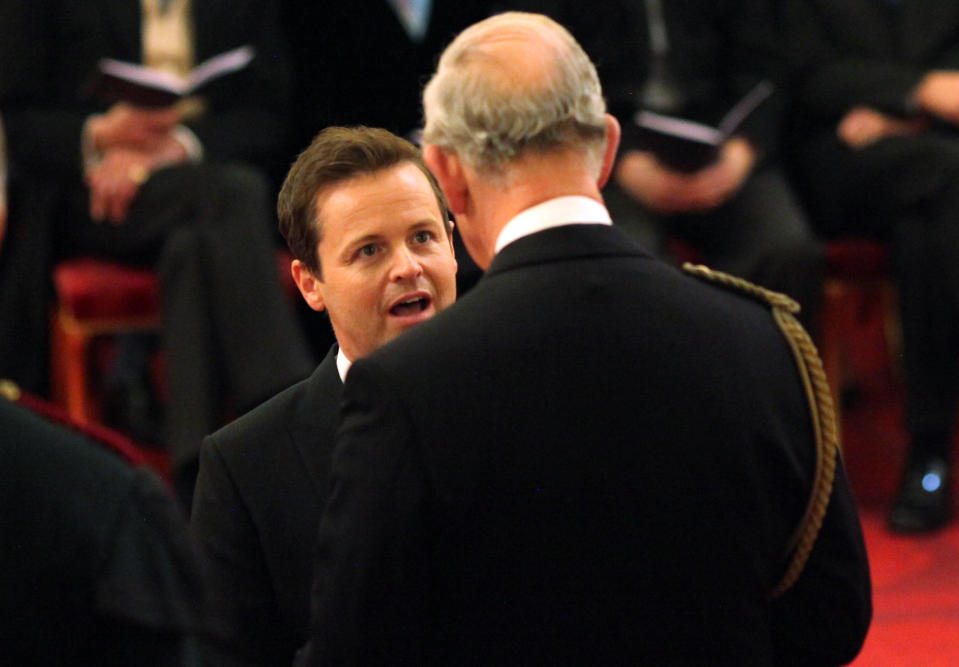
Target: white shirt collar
{"points": [[573, 210], [342, 364]]}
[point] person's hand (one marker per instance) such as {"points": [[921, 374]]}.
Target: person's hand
{"points": [[938, 94], [670, 192], [713, 186], [863, 126], [126, 126], [114, 183], [116, 179], [658, 188]]}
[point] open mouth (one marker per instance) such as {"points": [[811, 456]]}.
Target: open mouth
{"points": [[410, 306]]}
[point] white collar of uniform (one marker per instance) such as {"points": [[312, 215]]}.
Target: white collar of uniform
{"points": [[573, 210], [342, 364]]}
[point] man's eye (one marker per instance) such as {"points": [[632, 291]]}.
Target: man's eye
{"points": [[422, 236], [367, 250]]}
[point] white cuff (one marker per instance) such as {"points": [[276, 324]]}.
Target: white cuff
{"points": [[191, 144]]}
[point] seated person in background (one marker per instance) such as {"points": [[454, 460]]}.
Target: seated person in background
{"points": [[877, 149], [177, 188], [695, 59], [96, 564], [370, 231]]}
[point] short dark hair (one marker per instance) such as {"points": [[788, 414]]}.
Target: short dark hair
{"points": [[337, 154]]}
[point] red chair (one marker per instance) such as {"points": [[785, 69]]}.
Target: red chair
{"points": [[858, 289], [96, 298]]}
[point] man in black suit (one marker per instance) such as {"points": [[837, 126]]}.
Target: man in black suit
{"points": [[369, 228], [96, 564], [875, 140], [180, 190], [590, 458]]}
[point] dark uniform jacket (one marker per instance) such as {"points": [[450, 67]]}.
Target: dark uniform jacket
{"points": [[589, 459]]}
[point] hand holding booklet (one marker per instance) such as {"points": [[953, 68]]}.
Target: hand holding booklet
{"points": [[117, 81], [688, 146]]}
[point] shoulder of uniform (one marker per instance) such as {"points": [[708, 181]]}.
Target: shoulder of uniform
{"points": [[735, 284]]}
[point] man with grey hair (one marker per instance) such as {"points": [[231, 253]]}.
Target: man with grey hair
{"points": [[591, 458]]}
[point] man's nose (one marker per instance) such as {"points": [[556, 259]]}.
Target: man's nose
{"points": [[405, 265]]}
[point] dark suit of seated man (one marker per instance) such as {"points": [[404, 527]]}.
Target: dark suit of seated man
{"points": [[369, 229], [591, 458]]}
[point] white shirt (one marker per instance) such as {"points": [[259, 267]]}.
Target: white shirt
{"points": [[342, 364], [575, 210]]}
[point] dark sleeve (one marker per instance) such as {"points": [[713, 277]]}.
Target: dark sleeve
{"points": [[244, 614], [149, 594], [370, 580], [249, 112], [831, 78], [824, 617]]}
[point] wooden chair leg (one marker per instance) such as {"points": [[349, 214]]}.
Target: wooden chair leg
{"points": [[70, 355]]}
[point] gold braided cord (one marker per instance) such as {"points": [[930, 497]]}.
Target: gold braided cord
{"points": [[825, 427]]}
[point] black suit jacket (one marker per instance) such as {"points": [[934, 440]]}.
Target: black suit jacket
{"points": [[262, 486], [852, 52], [589, 459]]}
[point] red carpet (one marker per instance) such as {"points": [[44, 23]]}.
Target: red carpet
{"points": [[915, 597], [915, 579]]}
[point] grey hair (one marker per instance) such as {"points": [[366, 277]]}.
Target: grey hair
{"points": [[478, 105]]}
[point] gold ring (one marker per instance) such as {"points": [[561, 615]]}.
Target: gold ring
{"points": [[138, 174]]}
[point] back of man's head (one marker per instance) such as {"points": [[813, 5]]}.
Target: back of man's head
{"points": [[335, 155], [514, 83]]}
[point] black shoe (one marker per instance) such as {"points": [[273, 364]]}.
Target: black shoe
{"points": [[924, 502]]}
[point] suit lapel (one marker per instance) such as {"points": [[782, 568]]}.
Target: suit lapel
{"points": [[315, 419]]}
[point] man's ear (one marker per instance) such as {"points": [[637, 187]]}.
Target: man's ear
{"points": [[310, 287], [449, 173], [613, 134]]}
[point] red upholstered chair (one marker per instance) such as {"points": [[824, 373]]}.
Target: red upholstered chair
{"points": [[858, 289], [94, 298]]}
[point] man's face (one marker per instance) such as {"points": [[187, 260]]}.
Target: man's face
{"points": [[387, 261]]}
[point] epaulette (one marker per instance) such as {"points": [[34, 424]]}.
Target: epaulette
{"points": [[823, 414], [752, 290]]}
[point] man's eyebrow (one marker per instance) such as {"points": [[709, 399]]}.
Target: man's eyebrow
{"points": [[427, 222]]}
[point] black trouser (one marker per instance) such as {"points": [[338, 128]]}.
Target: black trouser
{"points": [[906, 190]]}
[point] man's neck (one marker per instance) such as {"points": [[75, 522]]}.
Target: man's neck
{"points": [[532, 180]]}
